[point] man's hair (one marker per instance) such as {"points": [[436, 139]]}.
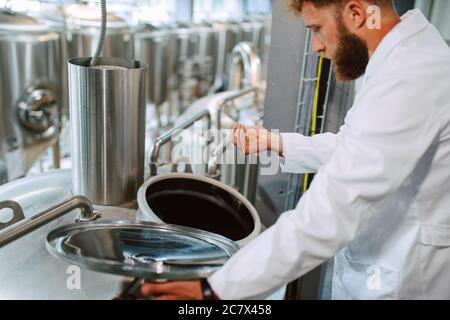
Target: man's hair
{"points": [[297, 5]]}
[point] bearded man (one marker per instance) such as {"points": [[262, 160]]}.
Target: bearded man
{"points": [[380, 201]]}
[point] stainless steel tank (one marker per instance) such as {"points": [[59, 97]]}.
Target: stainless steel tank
{"points": [[193, 59], [21, 279], [182, 69], [79, 29], [229, 35], [182, 253], [107, 114], [254, 32], [152, 48], [81, 25], [251, 31], [207, 54], [31, 90], [265, 41]]}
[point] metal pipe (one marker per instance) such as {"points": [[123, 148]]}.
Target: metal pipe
{"points": [[244, 52], [214, 159], [166, 137], [237, 95], [29, 225], [207, 112]]}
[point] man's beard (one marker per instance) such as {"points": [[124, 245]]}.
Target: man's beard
{"points": [[352, 56]]}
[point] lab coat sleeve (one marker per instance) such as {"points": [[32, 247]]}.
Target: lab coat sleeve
{"points": [[303, 154], [388, 134]]}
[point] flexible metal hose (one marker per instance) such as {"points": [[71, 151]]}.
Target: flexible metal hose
{"points": [[101, 41]]}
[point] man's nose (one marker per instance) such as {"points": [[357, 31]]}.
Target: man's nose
{"points": [[317, 45]]}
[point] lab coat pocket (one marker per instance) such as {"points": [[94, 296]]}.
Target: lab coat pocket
{"points": [[435, 235], [365, 281], [435, 260]]}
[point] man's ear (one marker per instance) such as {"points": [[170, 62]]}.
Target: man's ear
{"points": [[354, 15]]}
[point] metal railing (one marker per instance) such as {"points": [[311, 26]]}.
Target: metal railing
{"points": [[211, 113], [24, 227]]}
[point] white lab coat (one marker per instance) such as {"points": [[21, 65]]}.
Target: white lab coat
{"points": [[380, 202]]}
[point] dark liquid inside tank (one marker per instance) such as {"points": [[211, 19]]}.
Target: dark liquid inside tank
{"points": [[200, 205]]}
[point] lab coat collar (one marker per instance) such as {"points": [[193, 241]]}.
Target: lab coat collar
{"points": [[412, 23]]}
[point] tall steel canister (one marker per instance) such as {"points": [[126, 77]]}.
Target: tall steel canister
{"points": [[30, 92], [107, 117], [151, 47]]}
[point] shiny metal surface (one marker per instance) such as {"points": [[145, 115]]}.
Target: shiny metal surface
{"points": [[3, 169], [31, 90], [151, 47], [83, 43], [193, 53], [245, 67], [28, 261], [79, 28], [207, 52], [36, 193], [199, 202], [227, 109], [167, 137], [17, 22], [229, 35], [17, 213], [29, 271], [29, 225], [80, 23], [141, 249], [214, 158], [254, 32], [182, 70], [38, 112], [244, 72], [107, 110]]}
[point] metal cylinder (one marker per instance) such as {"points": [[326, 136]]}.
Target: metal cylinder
{"points": [[107, 111], [151, 46], [30, 91]]}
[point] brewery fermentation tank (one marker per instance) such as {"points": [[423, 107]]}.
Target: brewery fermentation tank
{"points": [[81, 25], [79, 28], [191, 57], [22, 279], [122, 246], [31, 90], [229, 35], [152, 48], [252, 32]]}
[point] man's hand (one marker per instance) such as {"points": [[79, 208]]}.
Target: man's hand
{"points": [[256, 139], [180, 290]]}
